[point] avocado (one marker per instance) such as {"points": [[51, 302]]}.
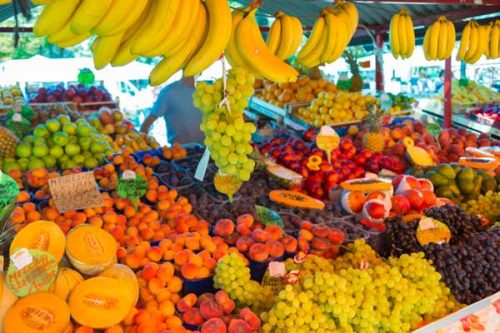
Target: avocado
{"points": [[446, 170]]}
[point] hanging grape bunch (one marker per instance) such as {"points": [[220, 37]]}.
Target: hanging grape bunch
{"points": [[226, 134]]}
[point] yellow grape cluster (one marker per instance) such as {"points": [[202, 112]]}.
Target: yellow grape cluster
{"points": [[227, 135], [233, 276], [487, 205]]}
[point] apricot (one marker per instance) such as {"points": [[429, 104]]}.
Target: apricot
{"points": [[203, 273], [165, 272], [189, 271], [114, 329], [84, 329], [175, 284], [306, 235], [196, 259], [149, 271], [167, 308], [260, 235], [210, 263], [210, 309], [258, 252], [182, 257], [224, 227], [155, 253]]}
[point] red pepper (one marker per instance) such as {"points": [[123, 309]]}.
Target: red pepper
{"points": [[375, 225]]}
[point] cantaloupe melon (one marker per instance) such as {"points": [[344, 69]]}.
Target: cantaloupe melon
{"points": [[366, 185], [295, 199], [7, 299], [90, 249], [101, 302], [40, 235], [36, 313], [123, 273], [66, 280]]}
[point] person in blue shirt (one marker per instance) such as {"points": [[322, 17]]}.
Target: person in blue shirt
{"points": [[175, 105]]}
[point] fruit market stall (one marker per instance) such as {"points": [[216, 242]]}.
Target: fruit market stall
{"points": [[311, 206]]}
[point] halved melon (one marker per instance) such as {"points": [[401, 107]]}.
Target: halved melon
{"points": [[419, 156], [90, 249], [432, 231], [366, 185], [7, 299], [295, 199], [285, 175], [66, 280], [478, 152], [40, 235], [123, 273], [36, 313], [101, 302], [483, 163]]}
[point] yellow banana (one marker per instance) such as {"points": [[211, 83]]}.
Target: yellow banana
{"points": [[494, 40], [442, 40], [54, 17], [40, 2], [487, 42], [218, 35], [4, 2], [170, 65], [434, 40], [135, 13], [332, 23], [88, 15], [394, 35], [343, 39], [451, 38], [313, 59], [63, 34], [402, 37], [186, 12], [231, 52], [474, 41], [105, 49], [77, 39], [352, 12], [258, 56], [158, 25], [482, 44], [410, 34], [464, 42], [297, 34], [427, 41], [314, 38], [116, 13], [286, 36], [274, 36]]}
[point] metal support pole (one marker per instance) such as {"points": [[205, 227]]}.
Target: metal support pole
{"points": [[447, 93], [379, 62]]}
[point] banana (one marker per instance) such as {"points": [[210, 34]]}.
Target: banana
{"points": [[170, 65], [427, 41], [482, 44], [105, 49], [77, 39], [231, 52], [314, 38], [343, 39], [394, 36], [157, 26], [54, 17], [451, 38], [402, 37], [218, 35], [62, 35], [494, 40], [332, 23], [274, 36], [410, 34], [258, 56], [118, 11], [4, 2], [40, 2], [286, 36], [464, 42], [434, 40], [352, 12], [88, 15], [474, 41], [298, 34], [135, 13], [313, 59], [443, 40], [183, 17]]}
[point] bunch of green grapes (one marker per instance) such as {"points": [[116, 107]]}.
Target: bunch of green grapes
{"points": [[294, 311], [233, 276], [356, 254], [487, 205], [227, 135]]}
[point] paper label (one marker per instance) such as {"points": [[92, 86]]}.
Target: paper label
{"points": [[75, 192], [17, 117], [268, 216], [277, 269], [128, 174], [201, 170], [21, 258], [427, 224]]}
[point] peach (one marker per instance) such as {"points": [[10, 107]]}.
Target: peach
{"points": [[243, 230], [189, 271], [320, 230], [416, 199], [244, 243], [260, 235], [204, 297], [429, 198], [210, 263], [275, 231], [192, 317], [214, 325], [186, 303], [258, 252], [251, 318], [306, 235], [182, 257], [400, 204], [224, 227], [289, 243], [246, 220], [226, 303], [275, 248], [175, 284], [239, 326], [320, 243], [210, 309]]}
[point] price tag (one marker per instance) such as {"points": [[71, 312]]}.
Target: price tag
{"points": [[268, 216], [277, 269], [21, 258], [327, 140], [385, 102], [17, 117], [132, 187], [201, 170], [75, 192]]}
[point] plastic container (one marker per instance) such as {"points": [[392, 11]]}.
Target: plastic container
{"points": [[198, 286]]}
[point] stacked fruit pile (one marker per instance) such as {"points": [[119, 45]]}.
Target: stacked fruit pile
{"points": [[42, 113], [336, 107], [478, 40], [285, 35], [11, 95], [303, 91], [471, 94], [439, 40], [73, 93]]}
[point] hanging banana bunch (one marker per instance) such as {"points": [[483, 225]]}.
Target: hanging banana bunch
{"points": [[247, 49], [477, 41], [330, 35], [439, 39], [285, 35], [494, 40], [402, 35]]}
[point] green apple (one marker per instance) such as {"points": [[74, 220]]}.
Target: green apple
{"points": [[40, 150], [50, 161], [39, 141], [72, 149], [60, 138], [87, 154], [23, 150], [63, 119], [29, 139], [53, 125], [71, 164], [36, 163], [70, 128], [98, 146], [64, 158], [23, 163], [41, 131], [80, 121], [85, 142], [91, 162], [7, 166], [56, 151], [84, 130], [79, 159], [73, 139]]}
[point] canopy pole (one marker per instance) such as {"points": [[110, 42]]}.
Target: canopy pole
{"points": [[447, 93], [379, 62]]}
